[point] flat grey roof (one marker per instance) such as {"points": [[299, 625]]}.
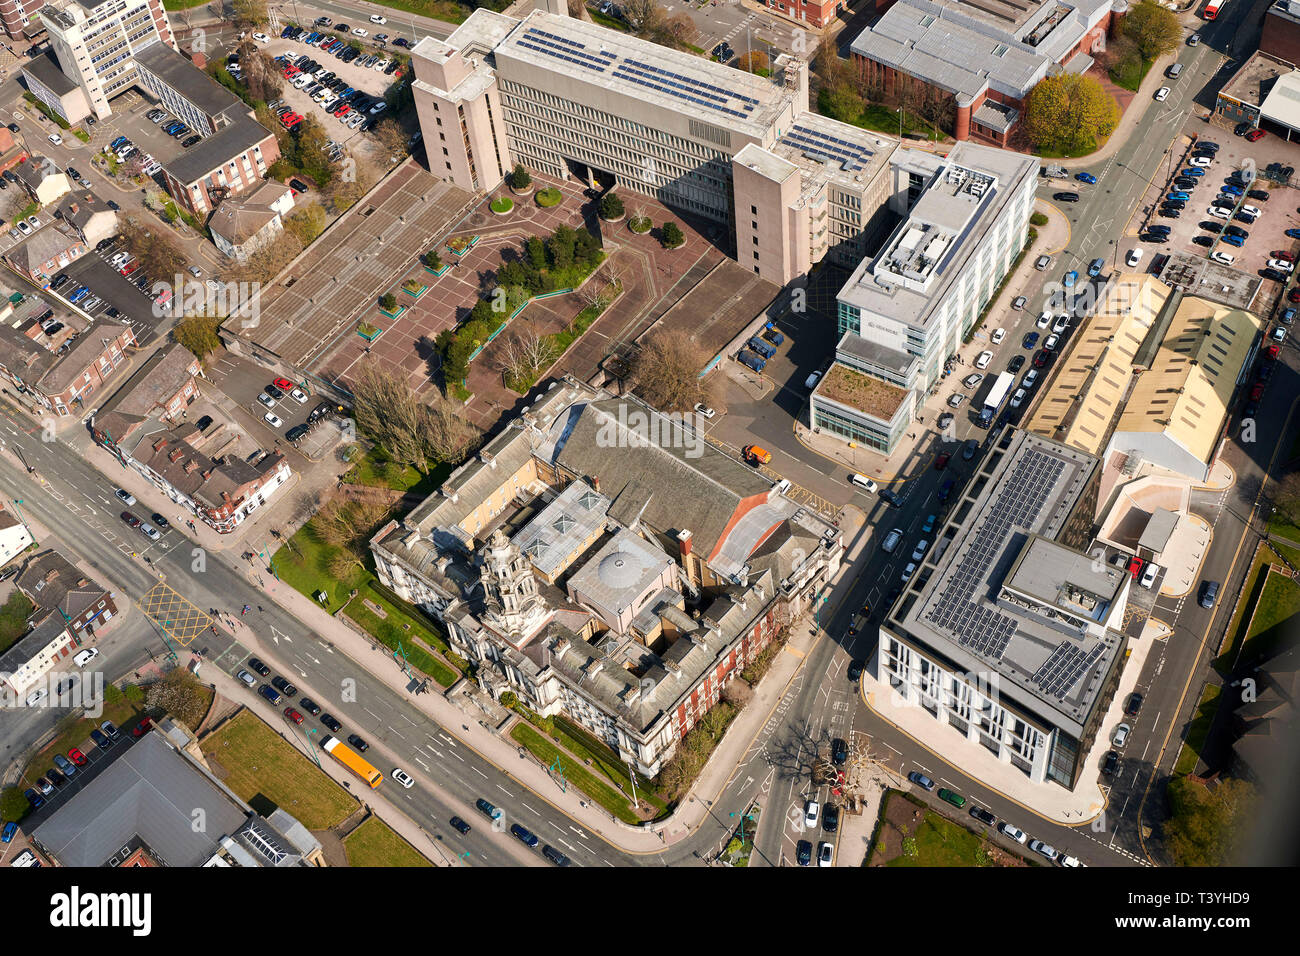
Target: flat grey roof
{"points": [[1048, 666], [1160, 526], [188, 80], [857, 350], [46, 70], [1211, 280], [240, 134], [1252, 82]]}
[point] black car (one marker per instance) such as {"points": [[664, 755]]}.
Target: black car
{"points": [[1066, 197], [358, 742], [58, 282], [803, 853], [1174, 204], [203, 422], [945, 420], [1236, 231], [190, 141], [273, 391], [524, 835], [830, 818], [890, 498], [1111, 763], [1245, 217], [1241, 129], [1133, 704], [160, 521], [1206, 241], [855, 670], [296, 432], [55, 777], [460, 826], [258, 667], [13, 128], [983, 816], [105, 243], [331, 723], [970, 449], [839, 751], [554, 855], [1171, 214], [1260, 194], [310, 706], [101, 739], [1157, 238], [324, 408], [1016, 364], [1209, 225], [1273, 274], [282, 685]]}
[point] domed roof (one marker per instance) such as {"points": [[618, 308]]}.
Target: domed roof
{"points": [[618, 569]]}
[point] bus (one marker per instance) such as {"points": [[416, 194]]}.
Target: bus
{"points": [[996, 398], [352, 760], [1213, 8]]}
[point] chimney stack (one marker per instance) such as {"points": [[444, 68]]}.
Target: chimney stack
{"points": [[684, 542]]}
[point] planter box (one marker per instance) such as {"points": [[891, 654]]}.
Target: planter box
{"points": [[616, 219], [370, 336], [440, 271], [468, 246], [415, 295], [397, 314], [526, 191]]}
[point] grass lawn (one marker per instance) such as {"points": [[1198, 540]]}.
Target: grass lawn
{"points": [[373, 468], [1278, 602], [262, 768], [1090, 147], [13, 618], [1130, 73], [1199, 729], [303, 564], [614, 23], [940, 842], [1223, 663], [882, 119], [581, 743], [577, 775], [183, 4], [375, 843]]}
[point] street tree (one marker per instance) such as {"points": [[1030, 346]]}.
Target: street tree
{"points": [[249, 13], [306, 222], [1069, 113], [198, 333], [523, 354], [666, 373], [1153, 28], [180, 696]]}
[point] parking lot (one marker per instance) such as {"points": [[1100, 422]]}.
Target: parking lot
{"points": [[260, 394], [96, 757], [114, 291], [1238, 162]]}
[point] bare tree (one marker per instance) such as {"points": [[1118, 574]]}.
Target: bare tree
{"points": [[449, 435], [389, 413], [666, 372], [643, 16], [524, 353]]}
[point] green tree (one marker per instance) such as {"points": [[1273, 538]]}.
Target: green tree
{"points": [[520, 178], [249, 12], [388, 301], [433, 259], [673, 236], [1153, 28], [198, 333], [536, 251], [611, 207], [841, 102], [1206, 827], [306, 222], [1069, 113]]}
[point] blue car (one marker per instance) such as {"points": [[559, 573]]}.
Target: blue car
{"points": [[1192, 171], [117, 142], [1231, 189], [10, 829], [34, 798], [1179, 195], [1030, 340], [1094, 269], [1233, 241], [1288, 316], [524, 836], [1088, 178], [929, 524], [1293, 233], [1071, 278], [79, 295]]}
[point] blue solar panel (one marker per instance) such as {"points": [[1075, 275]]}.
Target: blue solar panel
{"points": [[536, 40]]}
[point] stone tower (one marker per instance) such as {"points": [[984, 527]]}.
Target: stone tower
{"points": [[512, 605]]}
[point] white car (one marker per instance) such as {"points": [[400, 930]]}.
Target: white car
{"points": [[381, 65], [25, 229], [376, 18], [273, 419], [1281, 265], [150, 532], [1018, 399], [299, 396], [1218, 212], [1279, 334], [1120, 737], [359, 32], [1044, 320], [1062, 857], [84, 657], [1223, 257], [1061, 324], [261, 38], [56, 139], [1250, 210], [404, 778], [704, 410], [909, 571], [1133, 258], [1030, 379], [825, 854], [1012, 833], [36, 696], [998, 336], [811, 812], [1162, 94], [266, 400], [983, 360], [1199, 161], [124, 496], [919, 551], [1149, 574], [1050, 344]]}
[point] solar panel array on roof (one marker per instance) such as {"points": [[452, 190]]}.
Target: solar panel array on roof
{"points": [[1021, 497], [1062, 670], [851, 156], [684, 87], [563, 48]]}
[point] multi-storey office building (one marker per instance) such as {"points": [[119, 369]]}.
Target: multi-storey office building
{"points": [[1010, 635], [576, 100], [19, 17]]}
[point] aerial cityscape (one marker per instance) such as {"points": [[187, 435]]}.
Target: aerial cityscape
{"points": [[627, 433]]}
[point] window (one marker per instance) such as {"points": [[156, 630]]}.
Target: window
{"points": [[753, 211]]}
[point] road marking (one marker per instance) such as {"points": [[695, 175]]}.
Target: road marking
{"points": [[480, 773], [530, 809], [504, 790]]}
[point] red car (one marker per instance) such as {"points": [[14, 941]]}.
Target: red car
{"points": [[290, 119], [1273, 351], [342, 111], [1257, 391], [1294, 295], [142, 728], [283, 384], [1042, 358], [77, 757], [941, 462], [1255, 135], [130, 267], [1135, 566], [293, 715], [1283, 254]]}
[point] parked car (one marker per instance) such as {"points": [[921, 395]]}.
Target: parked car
{"points": [[921, 780]]}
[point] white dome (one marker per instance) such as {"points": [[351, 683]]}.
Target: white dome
{"points": [[618, 570]]}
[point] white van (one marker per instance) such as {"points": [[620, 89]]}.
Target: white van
{"points": [[26, 858], [891, 541], [84, 657], [862, 481]]}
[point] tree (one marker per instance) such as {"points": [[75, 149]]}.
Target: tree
{"points": [[449, 435], [158, 256], [267, 262], [521, 178], [313, 150], [1206, 827], [346, 523], [1069, 113], [346, 189], [642, 15], [391, 136], [433, 259], [249, 13], [1154, 29], [198, 333], [611, 207], [666, 373], [676, 31], [673, 235], [306, 222], [389, 414], [523, 354], [1286, 497], [179, 695], [753, 61], [388, 302]]}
